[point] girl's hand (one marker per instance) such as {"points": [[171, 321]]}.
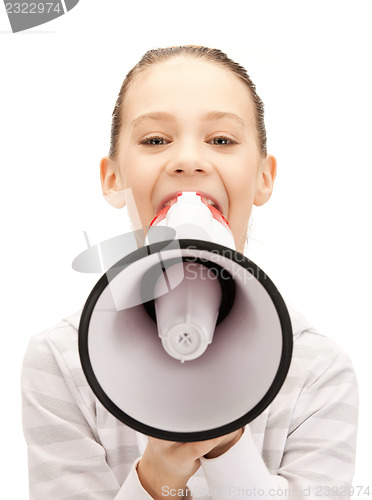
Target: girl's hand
{"points": [[170, 464], [228, 441]]}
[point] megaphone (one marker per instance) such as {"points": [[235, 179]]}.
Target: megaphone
{"points": [[186, 339]]}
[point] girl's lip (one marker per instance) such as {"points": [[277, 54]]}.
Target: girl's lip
{"points": [[171, 196]]}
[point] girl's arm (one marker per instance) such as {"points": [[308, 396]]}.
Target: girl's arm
{"points": [[66, 457], [65, 429]]}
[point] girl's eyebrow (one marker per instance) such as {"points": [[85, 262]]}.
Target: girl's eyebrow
{"points": [[219, 115], [211, 115], [158, 115]]}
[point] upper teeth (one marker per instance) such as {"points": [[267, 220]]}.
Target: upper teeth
{"points": [[210, 202]]}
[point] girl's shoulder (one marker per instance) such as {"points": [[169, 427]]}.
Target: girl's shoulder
{"points": [[309, 340], [317, 359], [54, 351]]}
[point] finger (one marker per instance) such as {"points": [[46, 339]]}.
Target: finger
{"points": [[197, 449], [185, 451]]}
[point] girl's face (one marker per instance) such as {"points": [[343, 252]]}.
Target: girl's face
{"points": [[189, 125]]}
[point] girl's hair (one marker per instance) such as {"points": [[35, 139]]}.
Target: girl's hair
{"points": [[211, 55]]}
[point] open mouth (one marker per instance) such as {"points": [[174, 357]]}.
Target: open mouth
{"points": [[206, 198]]}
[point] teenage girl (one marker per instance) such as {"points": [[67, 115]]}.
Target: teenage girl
{"points": [[189, 119]]}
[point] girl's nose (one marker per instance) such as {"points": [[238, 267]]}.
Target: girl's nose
{"points": [[189, 161]]}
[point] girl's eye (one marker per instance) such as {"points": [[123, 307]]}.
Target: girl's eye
{"points": [[161, 141], [154, 141], [222, 141]]}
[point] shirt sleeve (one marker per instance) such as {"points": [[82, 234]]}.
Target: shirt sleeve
{"points": [[241, 471], [319, 454], [132, 488], [321, 445], [65, 457]]}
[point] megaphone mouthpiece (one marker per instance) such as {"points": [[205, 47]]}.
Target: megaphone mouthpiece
{"points": [[190, 214]]}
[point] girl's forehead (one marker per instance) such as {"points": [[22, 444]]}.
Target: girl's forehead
{"points": [[187, 82], [180, 72]]}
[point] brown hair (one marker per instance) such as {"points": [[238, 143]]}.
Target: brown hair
{"points": [[212, 55]]}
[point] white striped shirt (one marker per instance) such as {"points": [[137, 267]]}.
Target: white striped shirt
{"points": [[301, 446]]}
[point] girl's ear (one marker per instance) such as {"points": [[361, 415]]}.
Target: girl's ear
{"points": [[111, 182], [265, 180]]}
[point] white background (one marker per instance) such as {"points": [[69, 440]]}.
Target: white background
{"points": [[311, 62]]}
